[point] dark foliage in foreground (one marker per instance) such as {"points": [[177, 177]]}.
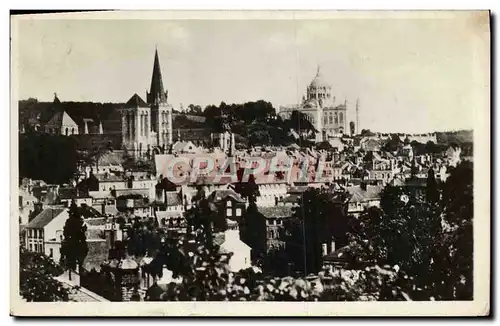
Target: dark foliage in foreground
{"points": [[37, 282]]}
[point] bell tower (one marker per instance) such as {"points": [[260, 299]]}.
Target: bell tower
{"points": [[161, 111]]}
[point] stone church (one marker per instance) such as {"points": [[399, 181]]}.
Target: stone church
{"points": [[320, 107], [147, 126]]}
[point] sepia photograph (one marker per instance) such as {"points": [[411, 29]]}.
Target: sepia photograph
{"points": [[202, 163]]}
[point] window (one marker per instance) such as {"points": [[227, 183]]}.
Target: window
{"points": [[229, 212], [36, 247], [229, 204], [66, 131], [31, 246], [238, 211], [330, 119], [336, 118], [51, 254]]}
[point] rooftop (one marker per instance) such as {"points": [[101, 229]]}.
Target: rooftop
{"points": [[44, 218], [359, 195], [276, 211]]}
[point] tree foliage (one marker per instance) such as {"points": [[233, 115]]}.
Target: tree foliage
{"points": [[50, 158], [320, 218], [74, 247], [37, 283], [429, 237]]}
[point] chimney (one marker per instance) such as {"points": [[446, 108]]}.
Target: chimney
{"points": [[332, 246], [324, 249]]}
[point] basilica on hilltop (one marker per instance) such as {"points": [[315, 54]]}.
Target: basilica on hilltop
{"points": [[320, 107]]}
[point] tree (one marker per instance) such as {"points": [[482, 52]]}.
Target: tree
{"points": [[36, 278], [56, 154], [406, 233], [432, 191], [428, 238], [196, 258], [457, 250], [194, 109], [352, 127], [393, 144], [320, 219], [300, 123], [74, 247], [367, 132]]}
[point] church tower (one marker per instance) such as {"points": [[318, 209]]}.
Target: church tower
{"points": [[161, 111]]}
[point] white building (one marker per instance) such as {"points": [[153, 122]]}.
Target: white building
{"points": [[240, 251], [45, 232], [26, 205], [320, 107], [453, 155]]}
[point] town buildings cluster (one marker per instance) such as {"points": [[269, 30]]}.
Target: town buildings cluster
{"points": [[111, 197]]}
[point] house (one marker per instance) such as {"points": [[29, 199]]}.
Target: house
{"points": [[135, 204], [370, 145], [238, 251], [275, 218], [362, 197], [453, 155], [338, 169], [169, 211], [61, 124], [337, 144], [229, 203], [26, 206], [109, 182], [103, 202], [109, 162], [45, 230], [67, 195], [382, 169], [407, 152], [271, 193]]}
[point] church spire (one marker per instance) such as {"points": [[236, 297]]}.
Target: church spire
{"points": [[156, 93], [56, 99]]}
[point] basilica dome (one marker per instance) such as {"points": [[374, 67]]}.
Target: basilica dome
{"points": [[319, 81], [319, 89]]}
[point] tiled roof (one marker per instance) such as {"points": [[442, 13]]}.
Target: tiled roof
{"points": [[173, 199], [96, 221], [108, 178], [291, 199], [276, 211], [94, 234], [136, 101], [97, 254], [44, 218], [360, 195], [111, 158], [89, 212], [130, 192], [297, 189], [224, 193]]}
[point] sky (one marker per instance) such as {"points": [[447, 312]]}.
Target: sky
{"points": [[410, 74]]}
